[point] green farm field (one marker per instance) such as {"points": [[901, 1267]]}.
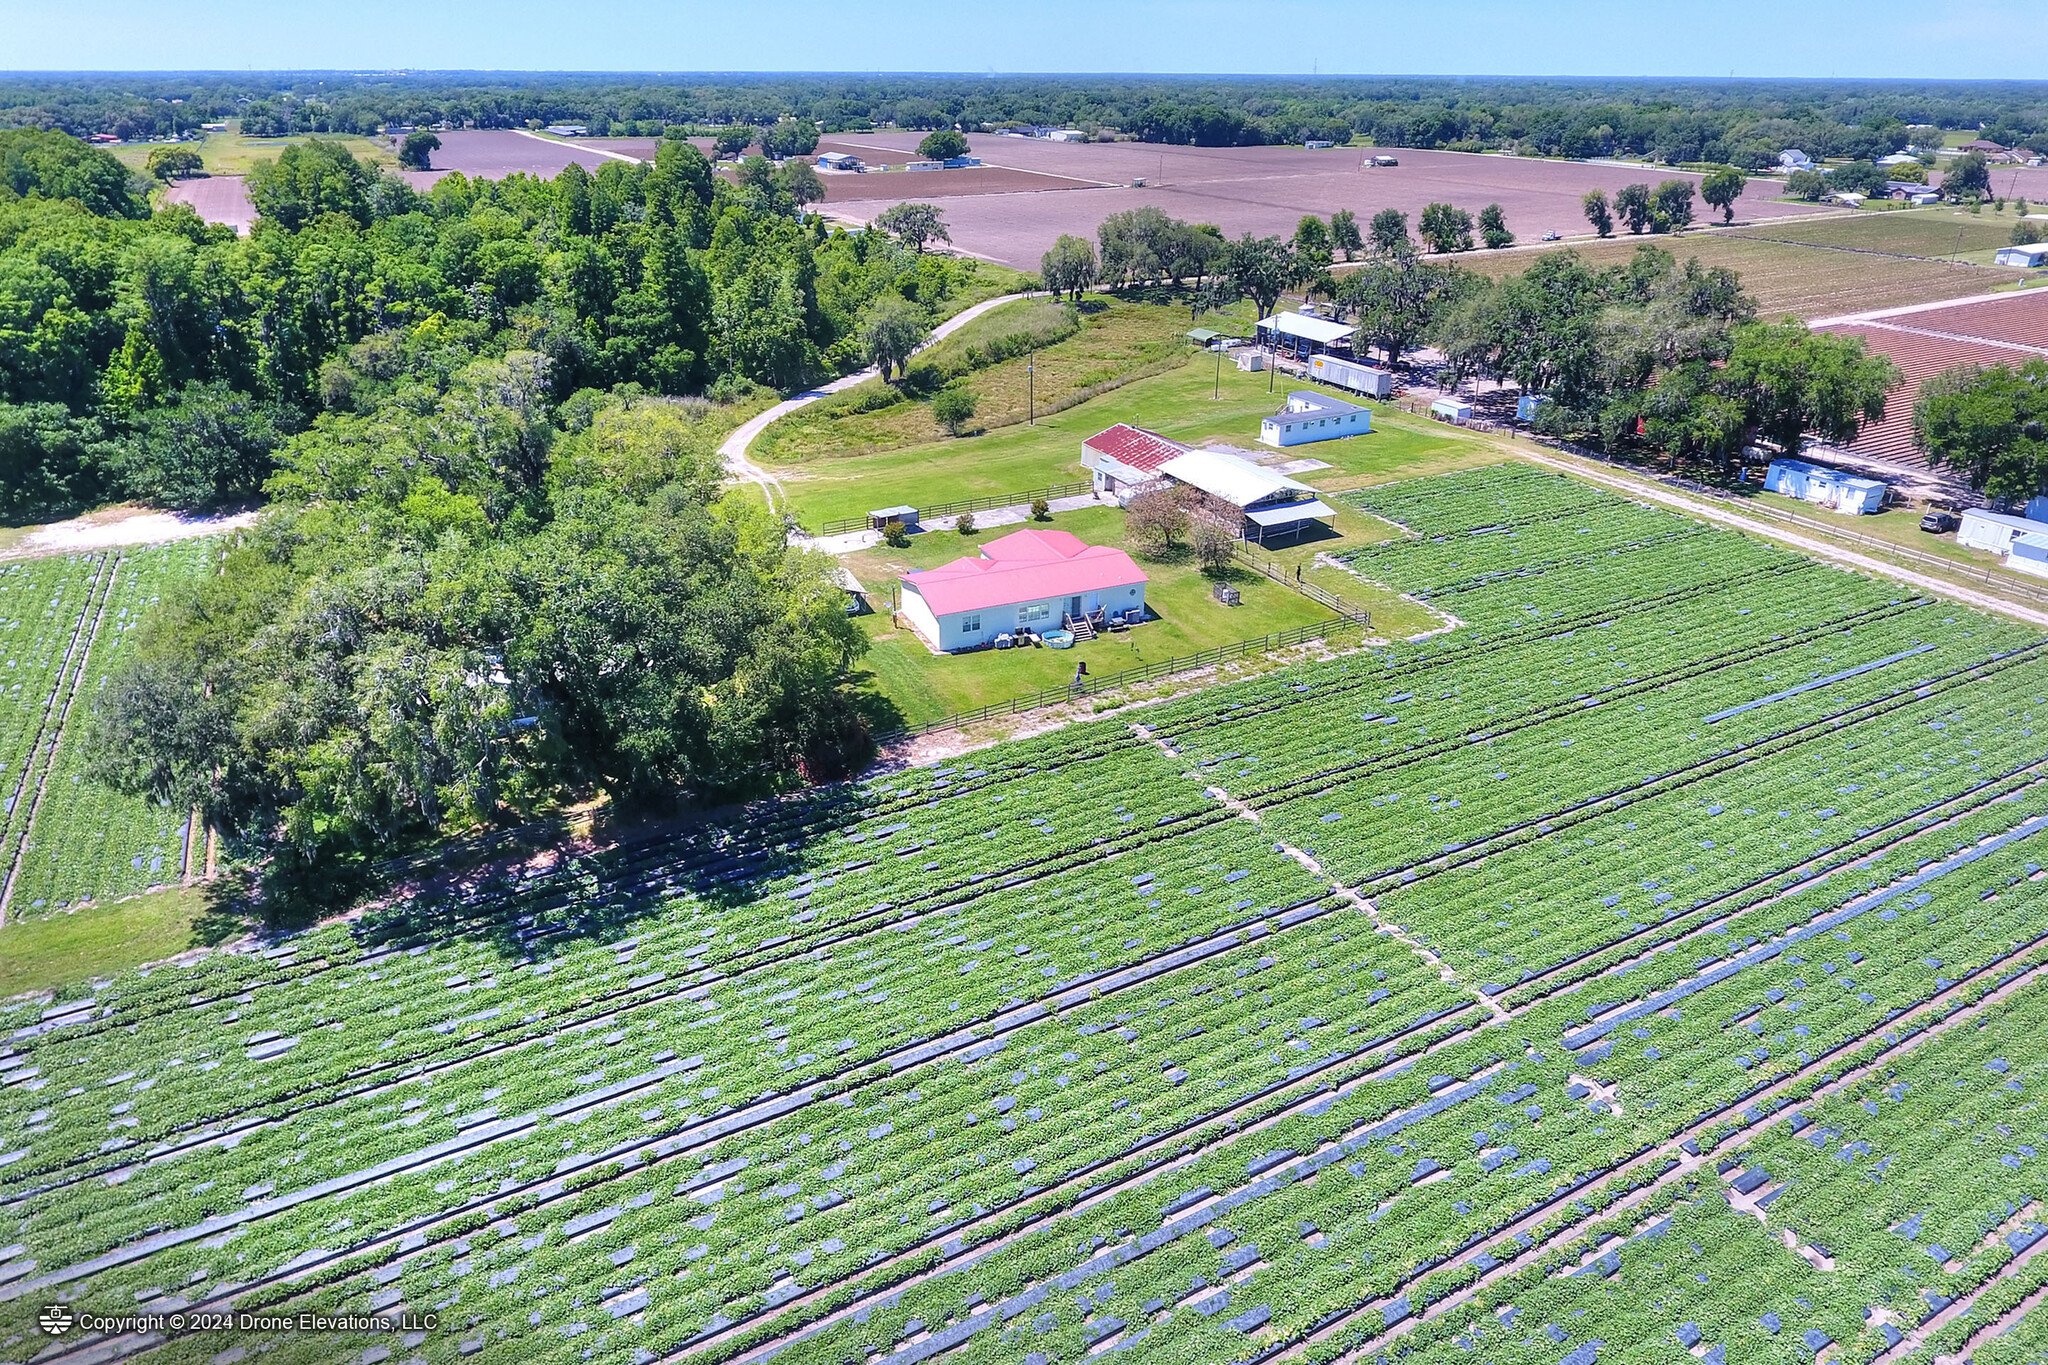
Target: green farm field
{"points": [[69, 841], [1808, 281], [1651, 964]]}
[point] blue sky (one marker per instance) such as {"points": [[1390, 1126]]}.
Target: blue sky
{"points": [[1901, 38]]}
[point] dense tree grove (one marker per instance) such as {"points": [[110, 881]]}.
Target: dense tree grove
{"points": [[160, 357], [1742, 123], [496, 570]]}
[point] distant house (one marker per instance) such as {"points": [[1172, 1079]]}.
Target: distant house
{"points": [[1274, 507], [1847, 198], [2031, 257], [1125, 458], [1311, 416], [954, 163], [1065, 135], [1304, 335], [840, 161], [1986, 146], [568, 130], [1029, 580], [1824, 487], [1316, 144], [1898, 159], [1792, 159]]}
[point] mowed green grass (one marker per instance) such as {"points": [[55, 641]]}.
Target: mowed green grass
{"points": [[1180, 404], [230, 153], [925, 686], [99, 940]]}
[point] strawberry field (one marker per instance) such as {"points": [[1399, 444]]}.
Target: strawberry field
{"points": [[1653, 967], [63, 621]]}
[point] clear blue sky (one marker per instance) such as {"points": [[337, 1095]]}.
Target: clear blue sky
{"points": [[1902, 38]]}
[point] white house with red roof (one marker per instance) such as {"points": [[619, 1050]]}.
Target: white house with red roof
{"points": [[1029, 580], [1125, 459]]}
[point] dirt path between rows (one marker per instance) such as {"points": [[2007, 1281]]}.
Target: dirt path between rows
{"points": [[1820, 549]]}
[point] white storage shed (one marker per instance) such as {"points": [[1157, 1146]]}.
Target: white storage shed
{"points": [[1451, 410]]}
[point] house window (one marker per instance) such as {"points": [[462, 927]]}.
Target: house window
{"points": [[971, 625], [1037, 611]]}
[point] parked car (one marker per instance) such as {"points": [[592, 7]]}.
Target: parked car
{"points": [[1553, 236], [1938, 521]]}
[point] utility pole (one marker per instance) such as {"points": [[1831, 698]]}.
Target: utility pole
{"points": [[1031, 390], [1218, 394]]}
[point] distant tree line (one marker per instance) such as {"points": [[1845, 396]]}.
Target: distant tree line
{"points": [[1741, 123]]}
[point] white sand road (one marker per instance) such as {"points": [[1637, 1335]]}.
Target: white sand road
{"points": [[119, 526]]}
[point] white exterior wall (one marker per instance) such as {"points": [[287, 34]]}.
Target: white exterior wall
{"points": [[1113, 476], [1350, 374], [1300, 429], [951, 633], [1982, 533]]}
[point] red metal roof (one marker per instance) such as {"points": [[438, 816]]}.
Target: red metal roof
{"points": [[1134, 446], [1026, 566]]}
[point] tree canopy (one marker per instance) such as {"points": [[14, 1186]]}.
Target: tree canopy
{"points": [[1990, 425]]}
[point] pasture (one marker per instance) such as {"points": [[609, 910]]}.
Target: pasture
{"points": [[1653, 960]]}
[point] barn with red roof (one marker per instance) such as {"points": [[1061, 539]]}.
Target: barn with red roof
{"points": [[1125, 458], [1027, 581]]}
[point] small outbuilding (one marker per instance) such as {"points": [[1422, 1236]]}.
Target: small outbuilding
{"points": [[1124, 459], [1027, 581], [1982, 529], [1824, 487], [1311, 416], [840, 161], [2029, 256], [1451, 410]]}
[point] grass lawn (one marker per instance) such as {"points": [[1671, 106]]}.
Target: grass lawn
{"points": [[1111, 344], [1176, 404], [64, 950], [924, 686], [230, 153]]}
